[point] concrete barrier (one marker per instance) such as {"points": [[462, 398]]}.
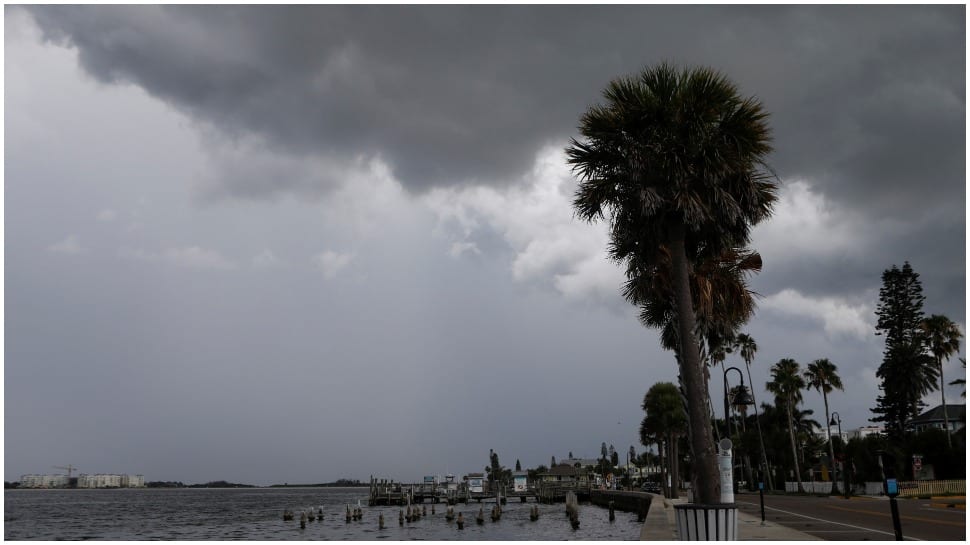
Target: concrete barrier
{"points": [[628, 501]]}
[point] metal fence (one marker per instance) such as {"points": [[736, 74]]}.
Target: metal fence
{"points": [[906, 488], [816, 487]]}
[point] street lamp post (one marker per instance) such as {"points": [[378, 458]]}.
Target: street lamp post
{"points": [[727, 407], [742, 398], [836, 419], [630, 456]]}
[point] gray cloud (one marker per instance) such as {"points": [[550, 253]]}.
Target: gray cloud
{"points": [[458, 94]]}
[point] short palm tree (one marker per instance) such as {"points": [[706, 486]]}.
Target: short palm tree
{"points": [[675, 158], [787, 384], [943, 339], [823, 376], [665, 418]]}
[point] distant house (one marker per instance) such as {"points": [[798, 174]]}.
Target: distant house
{"points": [[585, 463], [566, 473], [933, 418]]}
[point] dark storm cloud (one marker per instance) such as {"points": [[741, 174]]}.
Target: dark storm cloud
{"points": [[868, 100]]}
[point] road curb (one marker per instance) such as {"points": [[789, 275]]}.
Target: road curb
{"points": [[949, 505]]}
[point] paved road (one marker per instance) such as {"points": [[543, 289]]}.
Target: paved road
{"points": [[859, 519]]}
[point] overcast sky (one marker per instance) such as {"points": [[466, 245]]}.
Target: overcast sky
{"points": [[299, 244]]}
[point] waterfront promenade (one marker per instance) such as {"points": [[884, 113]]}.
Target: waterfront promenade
{"points": [[661, 526]]}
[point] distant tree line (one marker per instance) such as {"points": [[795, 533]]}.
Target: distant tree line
{"points": [[337, 483], [210, 484], [165, 484]]}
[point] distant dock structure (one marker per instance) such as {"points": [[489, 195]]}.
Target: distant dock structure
{"points": [[550, 487], [388, 492]]}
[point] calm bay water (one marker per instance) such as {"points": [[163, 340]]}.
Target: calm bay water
{"points": [[256, 514]]}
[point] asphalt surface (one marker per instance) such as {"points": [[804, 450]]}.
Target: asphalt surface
{"points": [[859, 518]]}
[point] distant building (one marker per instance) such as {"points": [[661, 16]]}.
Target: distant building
{"points": [[44, 481], [866, 431], [476, 483], [589, 463], [566, 473], [833, 430], [520, 481], [933, 419], [83, 481], [132, 481]]}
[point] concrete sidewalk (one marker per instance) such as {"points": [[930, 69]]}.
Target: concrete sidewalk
{"points": [[661, 525]]}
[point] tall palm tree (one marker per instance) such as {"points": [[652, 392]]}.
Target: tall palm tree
{"points": [[676, 158], [943, 339], [745, 345], [823, 376], [787, 385]]}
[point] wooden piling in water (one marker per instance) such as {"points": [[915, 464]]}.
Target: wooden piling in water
{"points": [[572, 509]]}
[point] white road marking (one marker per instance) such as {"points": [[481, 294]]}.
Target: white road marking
{"points": [[833, 522]]}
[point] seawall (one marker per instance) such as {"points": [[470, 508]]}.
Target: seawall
{"points": [[630, 502]]}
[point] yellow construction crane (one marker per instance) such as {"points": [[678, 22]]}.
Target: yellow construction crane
{"points": [[69, 469]]}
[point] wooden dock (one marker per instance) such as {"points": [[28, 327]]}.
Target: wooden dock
{"points": [[388, 492]]}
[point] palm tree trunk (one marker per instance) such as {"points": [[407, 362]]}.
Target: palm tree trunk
{"points": [[828, 432], [794, 450], [761, 439], [675, 468], [706, 481], [946, 421], [663, 467]]}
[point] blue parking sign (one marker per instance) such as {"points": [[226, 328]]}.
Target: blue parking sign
{"points": [[892, 488]]}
